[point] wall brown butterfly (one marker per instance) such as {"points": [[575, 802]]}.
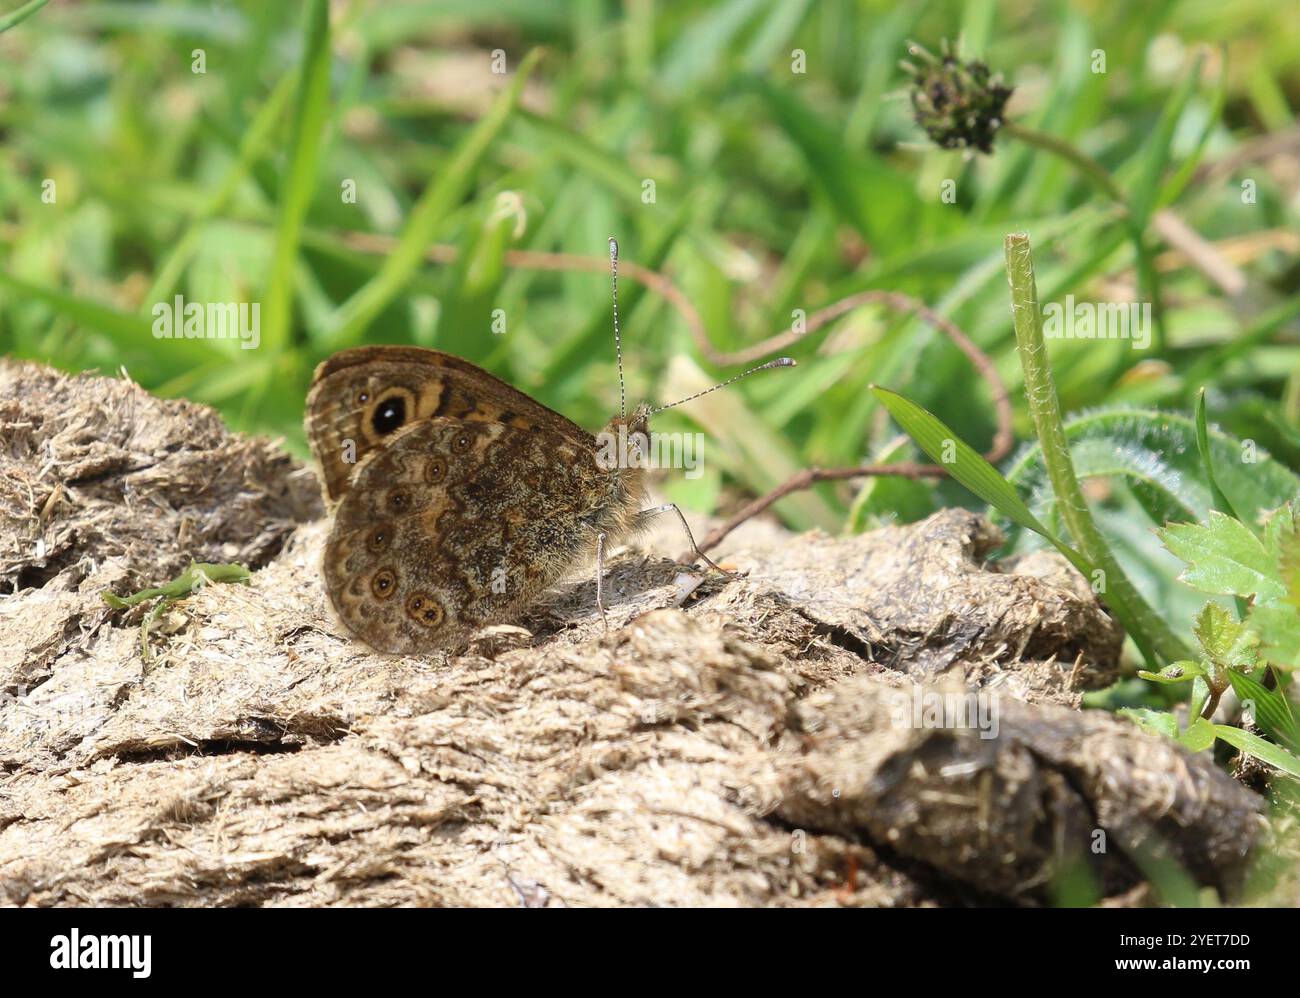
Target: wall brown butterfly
{"points": [[458, 499]]}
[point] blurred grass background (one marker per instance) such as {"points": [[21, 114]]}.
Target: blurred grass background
{"points": [[774, 190]]}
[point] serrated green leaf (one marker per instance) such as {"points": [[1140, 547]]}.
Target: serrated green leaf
{"points": [[1223, 558], [1282, 535], [1226, 641], [1280, 523], [1278, 627]]}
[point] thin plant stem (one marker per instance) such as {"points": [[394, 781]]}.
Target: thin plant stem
{"points": [[1146, 627], [1068, 151]]}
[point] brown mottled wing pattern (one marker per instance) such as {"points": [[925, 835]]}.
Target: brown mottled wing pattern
{"points": [[444, 527], [361, 397]]}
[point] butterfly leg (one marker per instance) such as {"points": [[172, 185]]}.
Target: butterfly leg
{"points": [[654, 511], [600, 579]]}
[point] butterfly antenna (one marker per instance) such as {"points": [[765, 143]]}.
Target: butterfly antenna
{"points": [[779, 362], [618, 344]]}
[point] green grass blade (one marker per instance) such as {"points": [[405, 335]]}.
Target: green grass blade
{"points": [[1147, 189], [132, 334], [253, 145], [311, 108], [441, 195], [1272, 709], [969, 468], [1274, 755], [21, 14]]}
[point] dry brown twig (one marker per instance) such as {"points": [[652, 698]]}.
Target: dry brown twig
{"points": [[662, 286]]}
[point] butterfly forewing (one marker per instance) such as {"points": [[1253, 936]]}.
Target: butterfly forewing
{"points": [[361, 397]]}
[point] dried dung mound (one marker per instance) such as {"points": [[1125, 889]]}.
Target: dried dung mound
{"points": [[764, 740]]}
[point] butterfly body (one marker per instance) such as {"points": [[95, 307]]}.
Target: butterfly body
{"points": [[457, 499]]}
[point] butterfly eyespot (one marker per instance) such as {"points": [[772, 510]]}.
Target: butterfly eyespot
{"points": [[461, 443], [379, 538], [424, 610], [388, 415], [363, 398], [384, 583], [399, 500], [435, 471]]}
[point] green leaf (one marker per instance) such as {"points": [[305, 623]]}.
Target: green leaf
{"points": [[1155, 722], [1227, 642], [252, 146], [1199, 735], [974, 472], [1157, 455], [1171, 190], [1270, 708], [1156, 155], [1221, 502], [1223, 558], [131, 334], [877, 200], [465, 322], [1274, 755], [1282, 535], [961, 460], [1278, 627], [1183, 671], [1200, 697]]}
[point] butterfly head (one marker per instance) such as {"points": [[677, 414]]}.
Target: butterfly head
{"points": [[625, 441]]}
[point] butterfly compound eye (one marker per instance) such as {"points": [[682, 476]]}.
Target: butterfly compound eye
{"points": [[388, 415]]}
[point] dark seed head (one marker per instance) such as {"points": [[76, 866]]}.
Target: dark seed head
{"points": [[960, 104]]}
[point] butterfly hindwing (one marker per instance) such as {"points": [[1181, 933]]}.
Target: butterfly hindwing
{"points": [[455, 523]]}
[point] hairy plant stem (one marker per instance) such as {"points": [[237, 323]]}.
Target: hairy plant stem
{"points": [[1146, 627]]}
